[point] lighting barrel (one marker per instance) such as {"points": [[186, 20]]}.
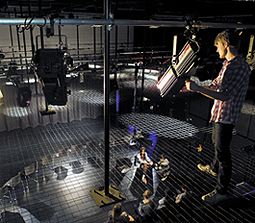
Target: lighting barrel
{"points": [[173, 79]]}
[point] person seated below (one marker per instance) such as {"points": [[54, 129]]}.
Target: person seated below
{"points": [[142, 157], [143, 180], [163, 168], [166, 200], [181, 194], [123, 165], [118, 216], [145, 173], [145, 208]]}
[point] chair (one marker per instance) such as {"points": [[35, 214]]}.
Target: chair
{"points": [[11, 185], [61, 153], [75, 149], [74, 162], [3, 191], [123, 165], [76, 167], [45, 162], [29, 170]]}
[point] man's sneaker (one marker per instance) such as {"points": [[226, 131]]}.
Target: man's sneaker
{"points": [[213, 197], [206, 169]]}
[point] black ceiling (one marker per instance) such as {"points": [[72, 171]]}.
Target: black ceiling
{"points": [[223, 11]]}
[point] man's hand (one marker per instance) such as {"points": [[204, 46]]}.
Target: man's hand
{"points": [[206, 91], [191, 86]]}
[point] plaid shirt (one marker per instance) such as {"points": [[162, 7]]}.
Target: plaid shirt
{"points": [[233, 81]]}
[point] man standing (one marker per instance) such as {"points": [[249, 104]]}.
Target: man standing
{"points": [[228, 91]]}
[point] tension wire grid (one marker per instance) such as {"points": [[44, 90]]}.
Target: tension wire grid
{"points": [[119, 151], [52, 139], [52, 136], [186, 178]]}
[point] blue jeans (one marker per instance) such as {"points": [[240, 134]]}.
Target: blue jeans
{"points": [[222, 163]]}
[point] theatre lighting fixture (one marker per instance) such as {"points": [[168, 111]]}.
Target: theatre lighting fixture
{"points": [[51, 70], [250, 58], [1, 98], [172, 81]]}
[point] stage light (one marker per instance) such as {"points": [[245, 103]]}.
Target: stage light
{"points": [[9, 83], [1, 96], [173, 80], [95, 66], [51, 70], [30, 81], [250, 58]]}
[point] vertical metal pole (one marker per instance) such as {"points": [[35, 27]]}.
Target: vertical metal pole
{"points": [[101, 39], [78, 42], [141, 100], [116, 41], [135, 90], [31, 33], [106, 98], [11, 38], [32, 43], [95, 47], [144, 50], [128, 37], [116, 51], [41, 28], [18, 40], [24, 38], [41, 35], [59, 35]]}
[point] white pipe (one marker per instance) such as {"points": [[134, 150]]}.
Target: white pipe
{"points": [[101, 22]]}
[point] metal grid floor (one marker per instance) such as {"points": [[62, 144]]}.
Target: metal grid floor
{"points": [[77, 165]]}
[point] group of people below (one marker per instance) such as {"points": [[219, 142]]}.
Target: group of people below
{"points": [[144, 210], [162, 167]]}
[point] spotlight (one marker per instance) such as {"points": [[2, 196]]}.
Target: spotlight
{"points": [[173, 79], [51, 70], [250, 58], [1, 98]]}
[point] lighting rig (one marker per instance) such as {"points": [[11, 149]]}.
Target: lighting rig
{"points": [[51, 69], [173, 79]]}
